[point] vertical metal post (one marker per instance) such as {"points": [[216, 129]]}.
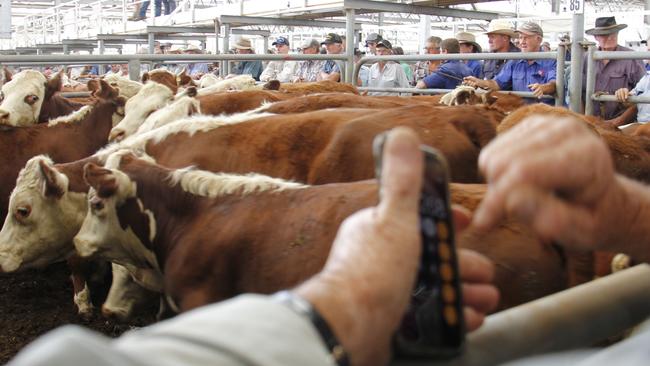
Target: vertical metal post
{"points": [[124, 15], [134, 70], [266, 44], [225, 65], [150, 39], [66, 49], [101, 46], [349, 45], [559, 75], [591, 80], [217, 30], [380, 23], [192, 10], [575, 88]]}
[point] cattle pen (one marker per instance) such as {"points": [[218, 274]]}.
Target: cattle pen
{"points": [[559, 314]]}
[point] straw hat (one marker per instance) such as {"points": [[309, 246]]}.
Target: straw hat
{"points": [[192, 48], [501, 26], [604, 26], [243, 44], [468, 38]]}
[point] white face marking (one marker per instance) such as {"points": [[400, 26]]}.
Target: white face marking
{"points": [[239, 82], [101, 233], [125, 294], [82, 300], [25, 84], [177, 110], [44, 236], [150, 98]]}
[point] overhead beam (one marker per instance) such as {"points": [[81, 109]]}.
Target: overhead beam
{"points": [[365, 6], [242, 21], [171, 29], [123, 37], [251, 32]]}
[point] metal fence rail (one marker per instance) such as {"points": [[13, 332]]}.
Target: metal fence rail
{"points": [[559, 56]]}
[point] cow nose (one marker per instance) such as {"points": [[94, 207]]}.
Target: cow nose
{"points": [[117, 135], [116, 316], [4, 115]]}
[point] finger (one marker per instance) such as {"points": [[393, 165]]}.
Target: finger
{"points": [[474, 267], [482, 298], [401, 176], [553, 219], [462, 217], [473, 319]]}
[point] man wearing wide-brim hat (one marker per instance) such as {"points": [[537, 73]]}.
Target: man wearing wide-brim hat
{"points": [[468, 44], [386, 74], [244, 46], [611, 75], [500, 34]]}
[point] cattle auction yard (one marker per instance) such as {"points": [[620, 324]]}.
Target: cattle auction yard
{"points": [[159, 156]]}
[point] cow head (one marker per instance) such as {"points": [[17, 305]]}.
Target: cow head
{"points": [[127, 87], [149, 99], [116, 227], [185, 80], [182, 107], [125, 295], [43, 218], [162, 76], [22, 98]]}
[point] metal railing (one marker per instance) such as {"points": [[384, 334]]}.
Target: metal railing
{"points": [[135, 61], [558, 55], [592, 57]]}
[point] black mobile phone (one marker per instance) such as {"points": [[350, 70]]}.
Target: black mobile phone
{"points": [[433, 326]]}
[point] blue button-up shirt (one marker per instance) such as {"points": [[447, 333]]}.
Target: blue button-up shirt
{"points": [[439, 79], [642, 88], [253, 68], [516, 75], [477, 68]]}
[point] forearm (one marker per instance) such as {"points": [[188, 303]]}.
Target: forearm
{"points": [[631, 233], [490, 85]]}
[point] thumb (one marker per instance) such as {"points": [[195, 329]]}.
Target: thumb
{"points": [[401, 176]]}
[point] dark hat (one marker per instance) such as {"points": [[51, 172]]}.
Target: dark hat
{"points": [[373, 37], [384, 43], [468, 38], [604, 26], [332, 38], [280, 40]]}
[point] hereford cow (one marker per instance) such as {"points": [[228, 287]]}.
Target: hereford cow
{"points": [[126, 87], [163, 77], [155, 220], [63, 142], [239, 82], [325, 86], [29, 97]]}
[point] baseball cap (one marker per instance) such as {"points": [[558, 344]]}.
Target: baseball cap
{"points": [[385, 43], [332, 38], [309, 43], [280, 41], [531, 28]]}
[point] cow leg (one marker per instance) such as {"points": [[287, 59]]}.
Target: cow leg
{"points": [[80, 287], [124, 296]]}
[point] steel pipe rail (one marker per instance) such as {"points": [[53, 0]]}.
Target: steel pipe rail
{"points": [[574, 318], [612, 98], [444, 91]]}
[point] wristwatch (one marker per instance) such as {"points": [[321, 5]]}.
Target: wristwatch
{"points": [[303, 308]]}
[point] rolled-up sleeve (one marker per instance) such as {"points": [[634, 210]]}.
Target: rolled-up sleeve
{"points": [[504, 77], [247, 330]]}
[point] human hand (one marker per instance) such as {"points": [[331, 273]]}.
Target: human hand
{"points": [[622, 94], [537, 89], [557, 176], [366, 285], [472, 81]]}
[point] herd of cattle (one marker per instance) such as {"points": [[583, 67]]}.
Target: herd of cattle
{"points": [[199, 194]]}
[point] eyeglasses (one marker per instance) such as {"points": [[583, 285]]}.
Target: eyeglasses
{"points": [[432, 49]]}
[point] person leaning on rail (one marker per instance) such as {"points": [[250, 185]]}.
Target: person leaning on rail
{"points": [[500, 35], [424, 68], [332, 68], [386, 74], [280, 70], [308, 70], [537, 76], [468, 44], [611, 75], [450, 73], [243, 46]]}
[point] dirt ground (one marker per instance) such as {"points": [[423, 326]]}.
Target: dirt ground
{"points": [[34, 302]]}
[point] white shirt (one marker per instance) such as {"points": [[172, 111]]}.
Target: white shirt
{"points": [[392, 76], [642, 88], [279, 70]]}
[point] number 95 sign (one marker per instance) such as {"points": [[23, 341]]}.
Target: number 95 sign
{"points": [[572, 6]]}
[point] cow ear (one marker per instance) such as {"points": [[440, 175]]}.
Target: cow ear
{"points": [[145, 77], [54, 184], [272, 85], [101, 179], [93, 86], [8, 75], [106, 91], [54, 84]]}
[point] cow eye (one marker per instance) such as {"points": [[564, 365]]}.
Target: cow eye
{"points": [[96, 204], [31, 99], [23, 212]]}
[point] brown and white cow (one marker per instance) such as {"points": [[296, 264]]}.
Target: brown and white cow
{"points": [[212, 236], [28, 98]]}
